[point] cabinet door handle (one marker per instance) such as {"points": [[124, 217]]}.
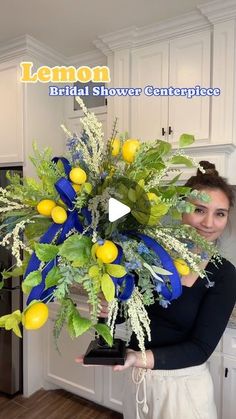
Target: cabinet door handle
{"points": [[170, 131], [226, 372], [163, 132]]}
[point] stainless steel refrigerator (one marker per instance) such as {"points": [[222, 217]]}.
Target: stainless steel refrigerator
{"points": [[11, 358]]}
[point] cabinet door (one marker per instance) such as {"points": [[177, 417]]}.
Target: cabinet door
{"points": [[11, 115], [229, 388], [215, 368], [113, 388], [62, 370], [190, 66], [149, 114]]}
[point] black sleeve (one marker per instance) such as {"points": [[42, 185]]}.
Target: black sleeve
{"points": [[212, 319]]}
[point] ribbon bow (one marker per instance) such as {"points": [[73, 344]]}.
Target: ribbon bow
{"points": [[67, 195]]}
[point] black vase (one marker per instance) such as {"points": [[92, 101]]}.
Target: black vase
{"points": [[100, 353]]}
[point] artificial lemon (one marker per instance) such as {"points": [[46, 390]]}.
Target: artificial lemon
{"points": [[115, 145], [59, 215], [35, 316], [129, 149], [76, 187], [107, 252], [181, 267], [78, 175], [45, 207]]}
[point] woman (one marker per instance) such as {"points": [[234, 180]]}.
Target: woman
{"points": [[176, 383]]}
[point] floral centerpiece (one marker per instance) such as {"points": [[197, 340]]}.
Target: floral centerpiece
{"points": [[59, 232]]}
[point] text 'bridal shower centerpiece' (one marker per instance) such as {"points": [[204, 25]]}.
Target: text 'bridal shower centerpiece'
{"points": [[59, 232]]}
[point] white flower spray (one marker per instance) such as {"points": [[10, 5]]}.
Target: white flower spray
{"points": [[139, 320], [7, 203], [13, 239], [112, 314]]}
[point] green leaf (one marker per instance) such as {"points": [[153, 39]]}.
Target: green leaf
{"points": [[46, 252], [70, 326], [164, 147], [19, 271], [1, 284], [132, 195], [3, 319], [52, 277], [108, 287], [104, 331], [80, 324], [35, 230], [94, 271], [11, 322], [115, 270], [181, 160], [147, 266], [186, 140], [76, 248], [175, 179], [26, 288], [161, 271], [34, 278]]}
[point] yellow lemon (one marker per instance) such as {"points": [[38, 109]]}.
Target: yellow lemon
{"points": [[107, 252], [129, 149], [78, 175], [45, 207], [181, 267], [115, 145], [35, 316], [76, 187], [59, 215]]}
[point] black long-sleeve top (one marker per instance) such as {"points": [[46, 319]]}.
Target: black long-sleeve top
{"points": [[186, 332]]}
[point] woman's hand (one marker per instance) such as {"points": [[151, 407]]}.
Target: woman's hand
{"points": [[133, 359]]}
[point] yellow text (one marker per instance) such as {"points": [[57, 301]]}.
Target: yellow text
{"points": [[63, 74]]}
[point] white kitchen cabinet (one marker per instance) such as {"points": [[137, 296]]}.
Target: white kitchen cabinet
{"points": [[215, 368], [99, 384], [11, 114], [181, 62], [229, 387], [149, 114]]}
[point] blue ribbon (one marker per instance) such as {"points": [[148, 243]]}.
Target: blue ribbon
{"points": [[126, 282], [168, 264], [67, 194]]}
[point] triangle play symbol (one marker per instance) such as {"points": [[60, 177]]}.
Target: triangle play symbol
{"points": [[117, 209]]}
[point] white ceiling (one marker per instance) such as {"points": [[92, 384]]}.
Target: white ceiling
{"points": [[71, 26]]}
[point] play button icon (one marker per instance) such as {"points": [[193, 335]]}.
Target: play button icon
{"points": [[117, 209]]}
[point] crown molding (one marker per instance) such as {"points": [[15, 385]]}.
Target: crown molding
{"points": [[123, 38], [225, 149], [26, 45], [219, 10], [133, 37], [94, 57]]}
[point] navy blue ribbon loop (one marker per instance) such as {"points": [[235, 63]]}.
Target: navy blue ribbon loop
{"points": [[124, 286], [168, 264], [67, 195], [65, 162]]}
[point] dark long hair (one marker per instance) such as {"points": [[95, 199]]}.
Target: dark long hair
{"points": [[210, 180]]}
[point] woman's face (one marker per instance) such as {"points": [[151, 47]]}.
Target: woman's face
{"points": [[210, 218]]}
